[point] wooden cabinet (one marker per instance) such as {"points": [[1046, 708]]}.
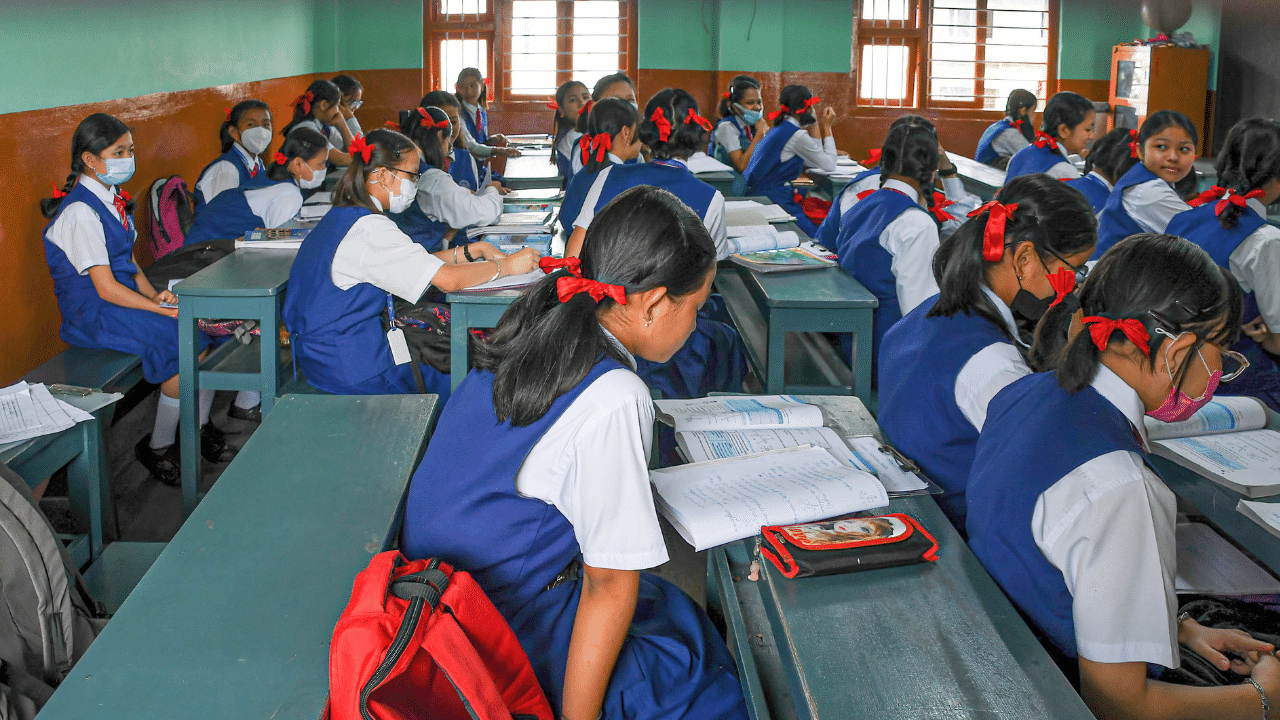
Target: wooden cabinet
{"points": [[1146, 79]]}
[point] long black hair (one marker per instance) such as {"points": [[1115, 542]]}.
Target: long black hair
{"points": [[738, 87], [561, 125], [1065, 108], [302, 143], [1163, 119], [233, 120], [597, 92], [427, 138], [94, 134], [389, 147], [1111, 155], [1250, 158], [1161, 281], [347, 85], [542, 348], [911, 150], [304, 105], [1052, 215], [471, 72], [687, 135], [793, 97], [1018, 106], [608, 117]]}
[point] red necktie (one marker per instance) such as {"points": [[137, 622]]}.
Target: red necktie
{"points": [[121, 201]]}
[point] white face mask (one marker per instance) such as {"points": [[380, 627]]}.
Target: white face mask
{"points": [[255, 139], [403, 198], [317, 179]]}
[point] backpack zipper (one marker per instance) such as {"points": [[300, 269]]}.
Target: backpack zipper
{"points": [[403, 635]]}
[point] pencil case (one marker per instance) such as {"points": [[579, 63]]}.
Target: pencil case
{"points": [[846, 545]]}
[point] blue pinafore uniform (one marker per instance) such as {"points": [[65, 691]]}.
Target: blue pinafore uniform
{"points": [[1035, 434], [227, 216], [463, 169], [673, 663], [1093, 190], [421, 229], [1200, 226], [248, 175], [88, 321], [920, 359], [1114, 222], [829, 230], [767, 175], [1033, 159], [574, 196], [986, 153], [745, 135], [338, 336]]}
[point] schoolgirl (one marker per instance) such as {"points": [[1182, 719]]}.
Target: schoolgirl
{"points": [[786, 151], [105, 298], [1005, 137], [355, 259], [352, 98], [741, 126], [572, 100], [1230, 224], [460, 163], [944, 361], [555, 519], [441, 203], [298, 165], [320, 108], [472, 92], [1112, 156], [1143, 199], [612, 138], [245, 135], [1066, 129], [1065, 510]]}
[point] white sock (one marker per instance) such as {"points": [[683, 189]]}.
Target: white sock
{"points": [[166, 427], [248, 400], [206, 404]]}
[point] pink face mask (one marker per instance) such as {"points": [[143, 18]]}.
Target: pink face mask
{"points": [[1177, 405]]}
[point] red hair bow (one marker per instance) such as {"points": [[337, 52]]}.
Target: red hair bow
{"points": [[809, 103], [362, 148], [694, 117], [586, 109], [873, 157], [305, 101], [280, 158], [1042, 139], [782, 109], [940, 205], [1133, 143], [584, 146], [1062, 282], [1018, 123], [727, 95], [57, 193], [572, 265], [993, 236], [551, 105], [1234, 198], [568, 287], [121, 202], [659, 118], [601, 144], [392, 124], [1213, 193], [228, 112], [427, 122], [1101, 329]]}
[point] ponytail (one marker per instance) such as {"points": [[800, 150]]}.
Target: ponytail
{"points": [[304, 104], [911, 150], [302, 143], [671, 125], [608, 118], [1250, 158]]}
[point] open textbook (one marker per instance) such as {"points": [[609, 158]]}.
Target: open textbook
{"points": [[1227, 442], [717, 502], [1265, 514]]}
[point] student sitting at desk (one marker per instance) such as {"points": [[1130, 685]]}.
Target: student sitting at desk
{"points": [[352, 98], [612, 138], [1230, 224], [458, 162], [245, 135], [352, 262], [1067, 128], [572, 100], [944, 361], [1108, 160], [1144, 200], [1065, 510], [318, 109], [741, 126], [1005, 137], [472, 92], [555, 519], [799, 139]]}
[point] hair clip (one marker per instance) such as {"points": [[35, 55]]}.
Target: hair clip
{"points": [[228, 112], [305, 101], [280, 158], [551, 105], [728, 95]]}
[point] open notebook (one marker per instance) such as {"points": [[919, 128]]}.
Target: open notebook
{"points": [[1225, 441]]}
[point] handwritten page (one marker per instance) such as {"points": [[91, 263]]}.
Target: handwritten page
{"points": [[1264, 513], [1247, 462], [29, 411], [1209, 565], [713, 503], [1220, 415], [739, 413], [508, 282], [704, 445]]}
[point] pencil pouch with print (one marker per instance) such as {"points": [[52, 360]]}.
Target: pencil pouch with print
{"points": [[846, 545]]}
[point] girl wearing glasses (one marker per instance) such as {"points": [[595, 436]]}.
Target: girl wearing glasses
{"points": [[352, 98], [1068, 516], [355, 259], [1230, 223], [944, 361]]}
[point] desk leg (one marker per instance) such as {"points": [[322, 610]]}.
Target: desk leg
{"points": [[269, 344], [89, 480], [188, 398], [862, 356], [459, 329], [776, 360]]}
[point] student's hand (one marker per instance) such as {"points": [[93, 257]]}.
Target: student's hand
{"points": [[482, 250], [497, 185], [164, 296], [828, 117], [335, 116], [762, 127], [521, 261], [508, 152], [1267, 674], [944, 162], [167, 312], [499, 140], [1258, 331], [1212, 644], [345, 110]]}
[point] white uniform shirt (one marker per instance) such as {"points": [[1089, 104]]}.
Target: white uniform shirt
{"points": [[728, 136], [444, 200], [475, 148], [911, 241], [1009, 142], [1256, 264], [816, 154], [714, 219], [1153, 204], [990, 370], [1108, 525], [354, 126], [223, 175], [275, 204], [1105, 182], [78, 230], [329, 132], [377, 252], [952, 187], [593, 465], [1063, 170], [568, 147]]}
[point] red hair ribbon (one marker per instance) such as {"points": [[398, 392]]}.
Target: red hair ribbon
{"points": [[694, 117], [427, 122], [601, 144], [362, 148], [228, 112], [866, 194], [1235, 198], [280, 158], [1043, 139], [940, 205], [1133, 143], [568, 287], [809, 103], [727, 95], [873, 157], [1018, 123], [57, 192], [782, 109], [551, 105], [572, 265], [121, 202], [1208, 196], [1101, 329], [1062, 282], [586, 109], [659, 118], [584, 146], [993, 236], [305, 101], [392, 124]]}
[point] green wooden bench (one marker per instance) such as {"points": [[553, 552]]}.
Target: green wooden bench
{"points": [[104, 370], [235, 616]]}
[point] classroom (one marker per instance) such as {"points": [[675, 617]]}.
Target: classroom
{"points": [[572, 359]]}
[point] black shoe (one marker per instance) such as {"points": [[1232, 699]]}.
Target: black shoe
{"points": [[253, 414], [213, 444], [163, 464]]}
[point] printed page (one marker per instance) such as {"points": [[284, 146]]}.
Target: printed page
{"points": [[701, 162], [869, 456], [704, 445], [764, 241], [1264, 513], [1209, 565], [746, 230], [1219, 415], [1248, 461], [739, 413], [718, 502], [751, 217], [22, 417]]}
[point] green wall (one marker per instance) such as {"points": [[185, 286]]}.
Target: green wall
{"points": [[378, 34], [1089, 28]]}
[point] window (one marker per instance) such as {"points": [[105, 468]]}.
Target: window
{"points": [[967, 54]]}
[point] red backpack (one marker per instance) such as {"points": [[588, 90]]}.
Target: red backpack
{"points": [[419, 639]]}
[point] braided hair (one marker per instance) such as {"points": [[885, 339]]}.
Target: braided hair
{"points": [[94, 134], [911, 150], [1250, 158], [686, 136]]}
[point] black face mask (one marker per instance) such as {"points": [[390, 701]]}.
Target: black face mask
{"points": [[1027, 311]]}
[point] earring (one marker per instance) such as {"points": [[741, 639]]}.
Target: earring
{"points": [[646, 322]]}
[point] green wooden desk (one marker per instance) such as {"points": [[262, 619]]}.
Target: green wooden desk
{"points": [[533, 169], [234, 618], [722, 180], [105, 370], [979, 179], [472, 310], [936, 640], [246, 285]]}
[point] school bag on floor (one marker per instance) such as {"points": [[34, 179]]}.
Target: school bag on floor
{"points": [[421, 640], [172, 212], [49, 618]]}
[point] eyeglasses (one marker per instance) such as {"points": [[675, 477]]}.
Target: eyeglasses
{"points": [[1233, 364], [355, 105], [412, 175], [1081, 271]]}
